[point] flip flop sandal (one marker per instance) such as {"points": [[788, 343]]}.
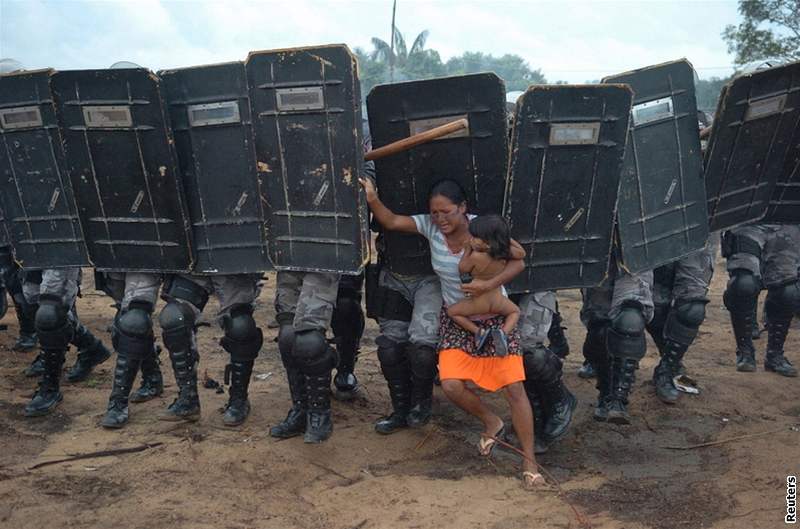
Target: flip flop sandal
{"points": [[500, 340], [480, 339], [487, 445], [531, 479]]}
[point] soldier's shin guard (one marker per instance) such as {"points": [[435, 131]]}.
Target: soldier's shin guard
{"points": [[243, 340], [295, 422], [316, 360], [152, 384], [124, 374], [780, 306], [545, 369], [679, 332], [177, 323], [741, 299], [595, 352], [557, 338], [396, 371], [422, 360], [55, 331], [626, 346]]}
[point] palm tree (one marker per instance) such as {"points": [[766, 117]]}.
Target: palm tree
{"points": [[400, 56]]}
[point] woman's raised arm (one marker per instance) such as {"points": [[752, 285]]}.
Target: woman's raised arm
{"points": [[384, 215]]}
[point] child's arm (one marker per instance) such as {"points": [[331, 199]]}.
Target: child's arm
{"points": [[466, 264], [517, 251]]}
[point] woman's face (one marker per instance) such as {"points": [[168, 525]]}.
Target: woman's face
{"points": [[447, 215]]}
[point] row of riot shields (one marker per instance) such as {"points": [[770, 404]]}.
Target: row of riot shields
{"points": [[221, 169], [591, 168]]}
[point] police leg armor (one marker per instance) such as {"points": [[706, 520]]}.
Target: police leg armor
{"points": [[596, 354], [132, 337], [152, 384], [55, 331], [26, 316], [539, 418], [782, 303], [348, 327], [555, 335], [316, 360], [91, 352], [397, 372], [422, 360], [295, 422], [545, 369], [626, 345], [177, 323], [741, 299], [243, 340], [677, 334]]}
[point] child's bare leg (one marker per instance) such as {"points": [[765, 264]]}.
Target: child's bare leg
{"points": [[467, 307], [509, 310]]}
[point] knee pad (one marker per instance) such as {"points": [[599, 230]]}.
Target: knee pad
{"points": [[625, 338], [422, 359], [312, 353], [594, 345], [177, 326], [390, 353], [133, 329], [783, 301], [541, 364], [684, 320], [53, 326], [741, 294], [243, 339], [348, 319]]}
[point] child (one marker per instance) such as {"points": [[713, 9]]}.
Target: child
{"points": [[485, 256]]}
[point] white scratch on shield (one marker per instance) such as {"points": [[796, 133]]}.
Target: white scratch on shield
{"points": [[137, 202], [238, 209], [578, 214], [670, 190], [321, 193], [54, 200]]}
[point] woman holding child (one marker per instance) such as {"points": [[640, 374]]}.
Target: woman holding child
{"points": [[490, 357]]}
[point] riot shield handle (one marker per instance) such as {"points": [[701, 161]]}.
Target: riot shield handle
{"points": [[417, 139]]}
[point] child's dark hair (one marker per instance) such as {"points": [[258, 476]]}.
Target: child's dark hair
{"points": [[450, 189], [493, 230]]}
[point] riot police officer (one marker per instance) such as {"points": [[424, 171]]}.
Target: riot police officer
{"points": [[347, 324]]}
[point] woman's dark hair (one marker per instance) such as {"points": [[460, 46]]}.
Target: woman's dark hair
{"points": [[493, 230], [450, 189]]}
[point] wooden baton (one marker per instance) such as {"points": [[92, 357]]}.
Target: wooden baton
{"points": [[416, 139]]}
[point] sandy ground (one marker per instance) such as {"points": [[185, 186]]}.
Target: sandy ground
{"points": [[207, 476]]}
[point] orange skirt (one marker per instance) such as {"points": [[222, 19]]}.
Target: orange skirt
{"points": [[489, 372]]}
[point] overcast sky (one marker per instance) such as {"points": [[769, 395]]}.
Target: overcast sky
{"points": [[572, 41]]}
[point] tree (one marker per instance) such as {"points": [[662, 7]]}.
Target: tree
{"points": [[414, 63], [707, 92], [511, 68], [771, 28]]}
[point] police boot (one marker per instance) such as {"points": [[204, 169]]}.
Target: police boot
{"points": [[124, 374], [622, 376], [48, 395], [319, 425], [187, 406], [745, 350], [775, 361], [295, 422], [36, 369], [558, 340], [539, 417], [345, 381], [756, 333], [587, 370], [422, 360], [152, 384], [560, 402], [26, 316], [396, 371], [663, 375], [238, 373], [91, 352], [602, 370], [741, 300]]}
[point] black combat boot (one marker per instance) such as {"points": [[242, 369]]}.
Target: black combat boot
{"points": [[124, 374], [560, 406], [345, 381], [187, 406], [667, 369], [540, 446], [48, 395], [743, 331], [295, 422], [152, 384], [319, 425], [775, 361], [238, 407], [603, 373], [91, 352], [623, 373], [555, 335], [422, 360], [398, 378], [36, 369], [26, 316], [587, 370]]}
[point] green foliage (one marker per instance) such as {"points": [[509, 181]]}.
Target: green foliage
{"points": [[770, 28], [707, 92]]}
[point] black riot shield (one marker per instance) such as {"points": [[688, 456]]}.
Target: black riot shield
{"points": [[210, 115], [567, 148], [37, 199], [477, 157], [752, 154], [307, 114], [662, 201], [123, 169]]}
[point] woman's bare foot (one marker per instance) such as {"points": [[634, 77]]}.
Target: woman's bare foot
{"points": [[532, 480]]}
